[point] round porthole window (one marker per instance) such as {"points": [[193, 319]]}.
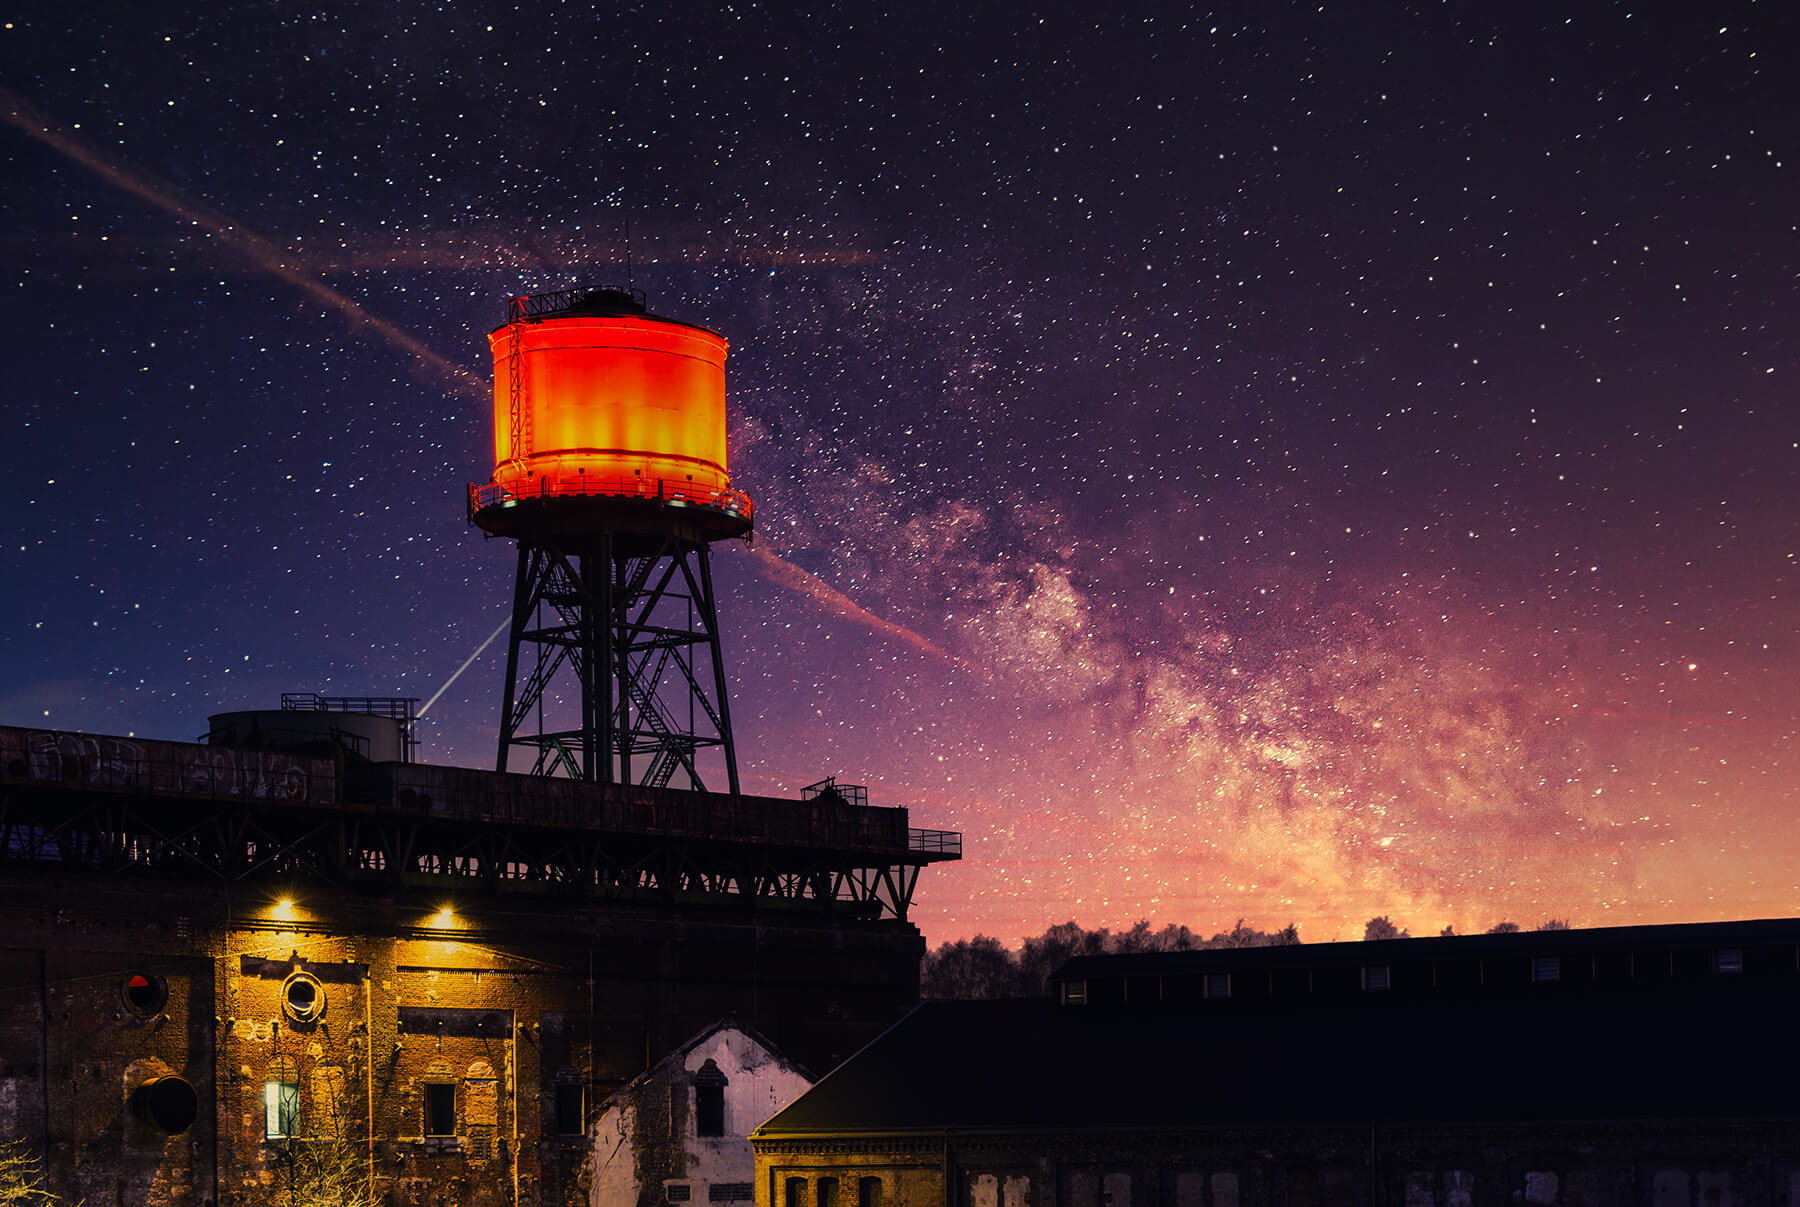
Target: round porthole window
{"points": [[168, 1104], [302, 997], [145, 994]]}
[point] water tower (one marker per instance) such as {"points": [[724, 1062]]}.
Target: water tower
{"points": [[609, 472]]}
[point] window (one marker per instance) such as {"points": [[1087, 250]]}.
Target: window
{"points": [[440, 1108], [281, 1109], [1375, 976], [678, 1192], [145, 994], [1728, 959], [1546, 968], [868, 1192], [570, 1109], [1218, 984], [730, 1192], [796, 1192], [302, 997], [709, 1100], [828, 1192], [1074, 993]]}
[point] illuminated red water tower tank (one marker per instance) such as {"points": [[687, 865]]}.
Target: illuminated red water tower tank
{"points": [[610, 472]]}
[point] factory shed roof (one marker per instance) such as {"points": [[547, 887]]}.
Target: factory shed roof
{"points": [[1717, 1048]]}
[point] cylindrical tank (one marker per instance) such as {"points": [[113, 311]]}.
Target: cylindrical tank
{"points": [[304, 731], [604, 398]]}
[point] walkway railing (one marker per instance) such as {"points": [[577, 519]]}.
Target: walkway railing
{"points": [[576, 486], [935, 842]]}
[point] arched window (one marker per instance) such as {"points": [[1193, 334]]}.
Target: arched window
{"points": [[796, 1192], [709, 1100], [828, 1192], [868, 1193]]}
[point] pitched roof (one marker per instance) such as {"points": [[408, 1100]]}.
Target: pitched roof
{"points": [[1714, 1049], [677, 1055]]}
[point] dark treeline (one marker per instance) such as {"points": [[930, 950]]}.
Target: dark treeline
{"points": [[982, 968]]}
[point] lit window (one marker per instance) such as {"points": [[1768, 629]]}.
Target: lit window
{"points": [[1546, 968], [1728, 959], [440, 1108], [1074, 993], [281, 1107], [1375, 976]]}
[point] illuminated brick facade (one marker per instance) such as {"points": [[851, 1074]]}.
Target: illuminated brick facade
{"points": [[225, 989]]}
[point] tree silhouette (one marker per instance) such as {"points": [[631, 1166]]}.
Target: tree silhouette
{"points": [[982, 968], [970, 969], [1379, 927]]}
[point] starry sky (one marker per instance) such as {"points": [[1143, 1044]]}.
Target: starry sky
{"points": [[1288, 462]]}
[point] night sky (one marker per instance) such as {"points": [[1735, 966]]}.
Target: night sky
{"points": [[1276, 462]]}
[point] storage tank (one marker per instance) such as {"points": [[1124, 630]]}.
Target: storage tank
{"points": [[599, 397], [610, 473], [380, 739]]}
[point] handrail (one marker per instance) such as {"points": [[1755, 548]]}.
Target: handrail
{"points": [[937, 842], [567, 486]]}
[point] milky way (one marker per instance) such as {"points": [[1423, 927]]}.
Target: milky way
{"points": [[1263, 462]]}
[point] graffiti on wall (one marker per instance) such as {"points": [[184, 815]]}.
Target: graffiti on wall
{"points": [[259, 774], [98, 761], [86, 759]]}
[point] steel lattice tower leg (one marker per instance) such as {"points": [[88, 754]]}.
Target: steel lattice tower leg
{"points": [[617, 686]]}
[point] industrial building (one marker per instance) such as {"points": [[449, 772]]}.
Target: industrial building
{"points": [[1644, 1066], [291, 964]]}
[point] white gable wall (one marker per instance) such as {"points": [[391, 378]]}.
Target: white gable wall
{"points": [[643, 1140]]}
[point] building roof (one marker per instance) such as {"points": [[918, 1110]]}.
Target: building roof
{"points": [[1712, 1047], [1687, 937], [673, 1060]]}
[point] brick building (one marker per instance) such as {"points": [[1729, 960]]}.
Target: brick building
{"points": [[230, 975], [1625, 1067]]}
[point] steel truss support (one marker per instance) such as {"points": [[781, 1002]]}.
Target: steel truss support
{"points": [[623, 681]]}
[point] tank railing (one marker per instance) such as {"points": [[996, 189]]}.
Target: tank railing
{"points": [[557, 300], [401, 708], [936, 842], [566, 486], [829, 789]]}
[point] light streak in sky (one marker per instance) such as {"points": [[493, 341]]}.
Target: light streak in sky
{"points": [[19, 113], [27, 118], [467, 662], [842, 606]]}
